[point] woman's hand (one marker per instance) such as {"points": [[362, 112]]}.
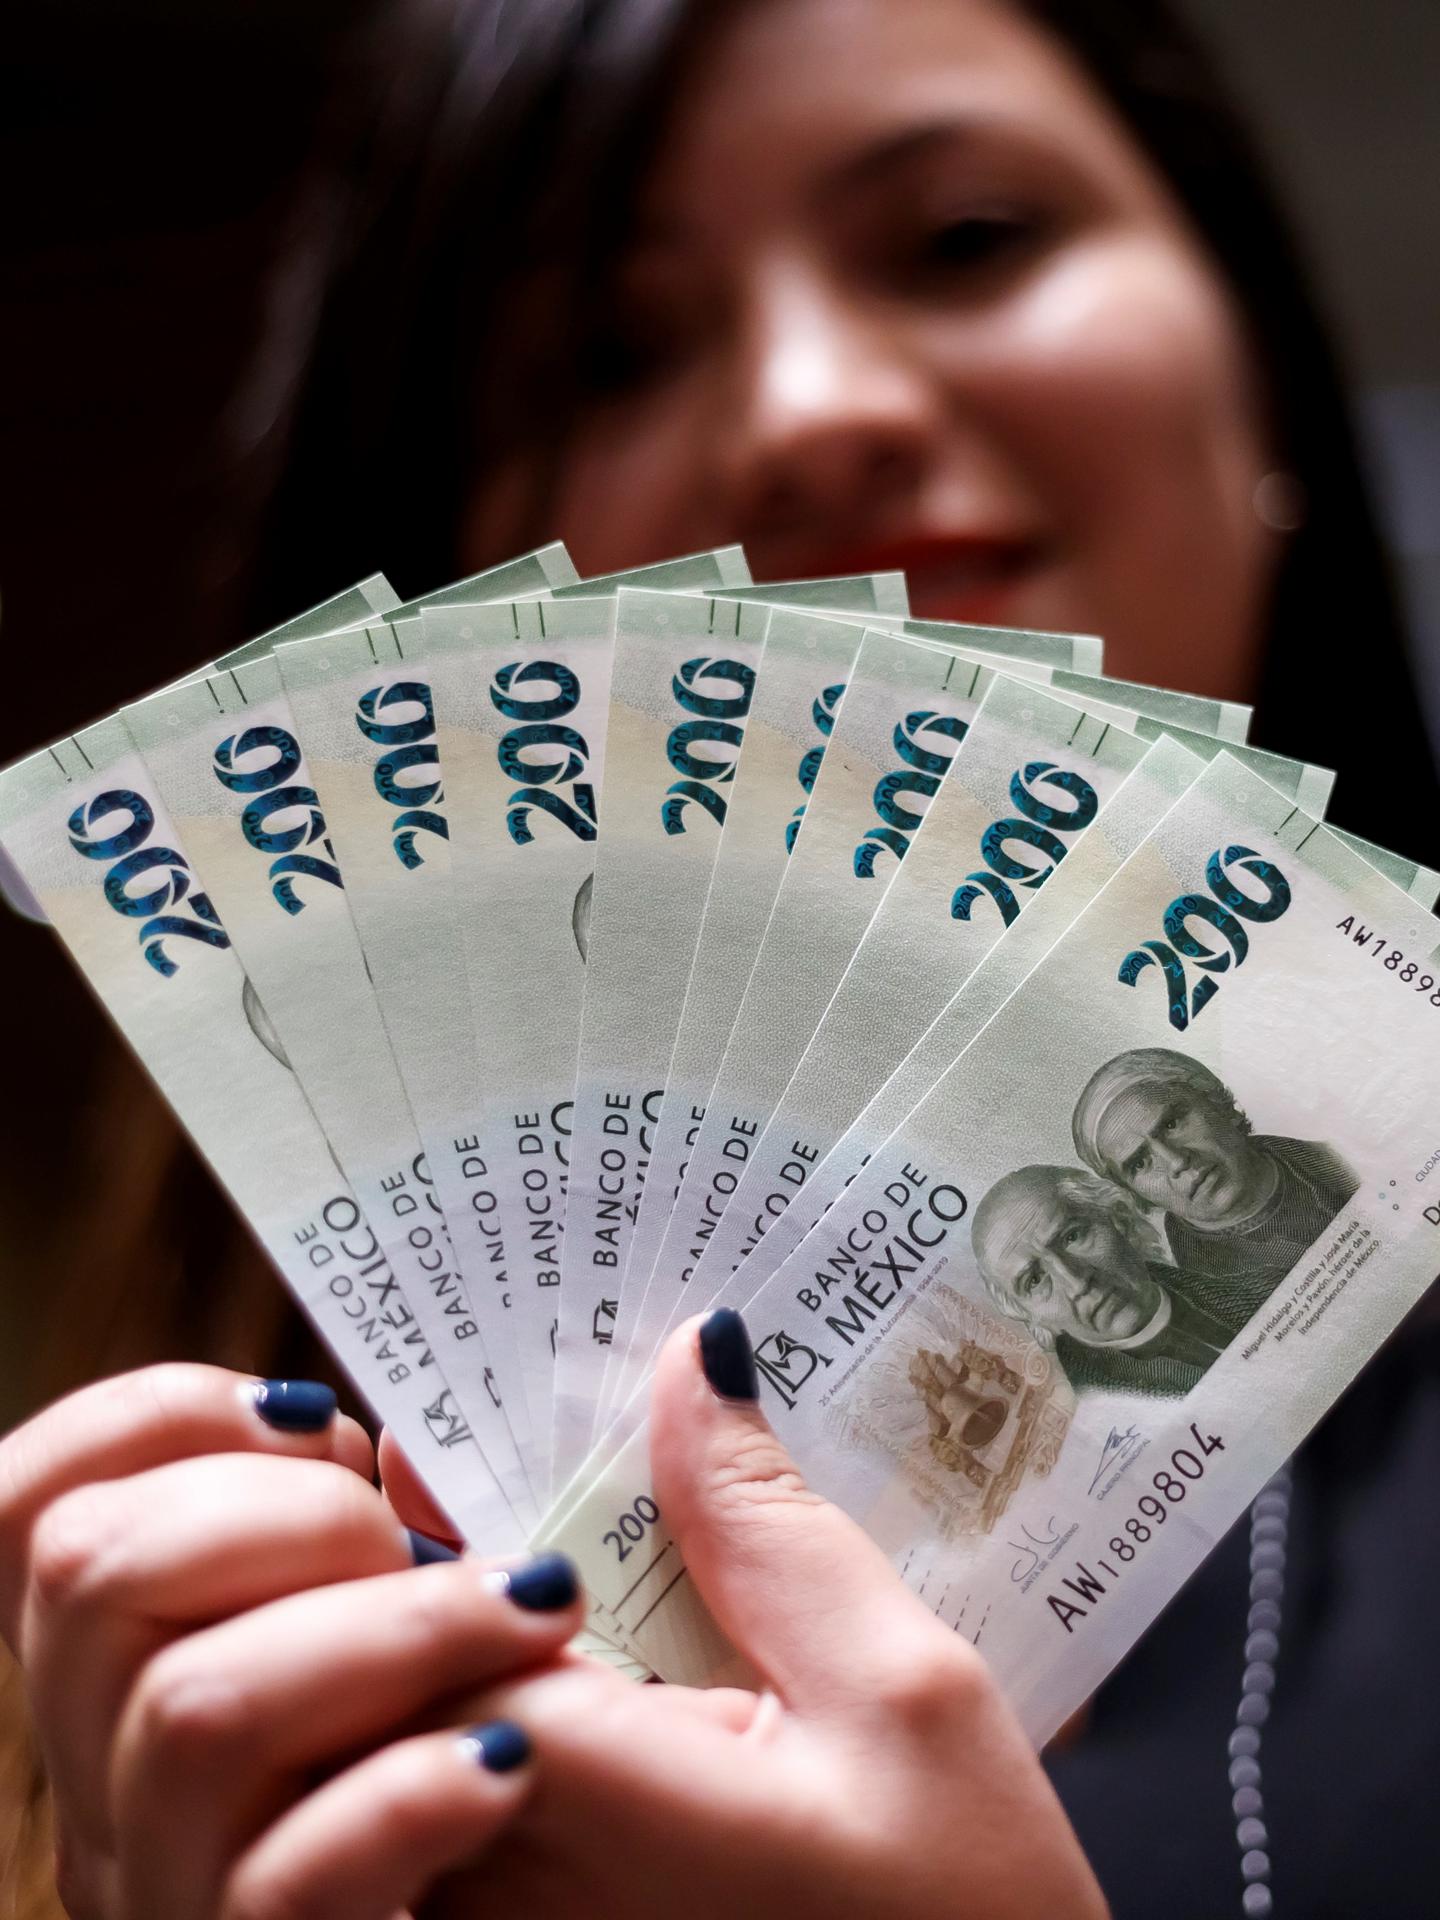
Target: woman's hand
{"points": [[211, 1610], [209, 1633], [884, 1779]]}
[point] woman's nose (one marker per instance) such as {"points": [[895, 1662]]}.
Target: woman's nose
{"points": [[833, 416]]}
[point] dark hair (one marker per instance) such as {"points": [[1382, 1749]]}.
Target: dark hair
{"points": [[465, 229]]}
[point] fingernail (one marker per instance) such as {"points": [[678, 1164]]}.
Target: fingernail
{"points": [[543, 1585], [426, 1552], [499, 1746], [295, 1406], [726, 1356]]}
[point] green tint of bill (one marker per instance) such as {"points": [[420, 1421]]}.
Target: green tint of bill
{"points": [[1308, 786], [546, 570], [709, 1277], [881, 595], [522, 695], [684, 674], [88, 828], [527, 1335], [1421, 883], [369, 599], [907, 706], [1075, 652], [722, 1239], [1030, 777], [1149, 792], [719, 568], [1078, 673], [657, 978], [789, 725], [1223, 720], [806, 663], [1143, 799], [1104, 1279], [364, 718], [373, 595], [483, 1373], [225, 759]]}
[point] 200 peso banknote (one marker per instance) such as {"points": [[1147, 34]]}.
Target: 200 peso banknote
{"points": [[1106, 1276], [363, 717], [86, 825], [798, 691]]}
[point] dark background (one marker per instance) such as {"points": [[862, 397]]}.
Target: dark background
{"points": [[151, 151]]}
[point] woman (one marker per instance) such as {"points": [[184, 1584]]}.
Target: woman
{"points": [[983, 290], [993, 292]]}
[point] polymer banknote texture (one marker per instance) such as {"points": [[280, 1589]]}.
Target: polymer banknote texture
{"points": [[1066, 1322], [540, 961]]}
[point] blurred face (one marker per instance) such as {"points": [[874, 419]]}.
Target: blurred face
{"points": [[903, 292], [1176, 1152], [1068, 1267]]}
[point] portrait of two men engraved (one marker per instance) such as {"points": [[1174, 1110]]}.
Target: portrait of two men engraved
{"points": [[1128, 1273], [1138, 1268]]}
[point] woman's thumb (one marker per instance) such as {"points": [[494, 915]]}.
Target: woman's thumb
{"points": [[807, 1597]]}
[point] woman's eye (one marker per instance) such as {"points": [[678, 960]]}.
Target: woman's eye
{"points": [[976, 241], [618, 360]]}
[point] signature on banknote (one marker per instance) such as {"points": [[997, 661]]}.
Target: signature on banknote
{"points": [[1116, 1443]]}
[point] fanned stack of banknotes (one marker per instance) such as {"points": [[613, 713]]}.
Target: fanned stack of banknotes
{"points": [[545, 961]]}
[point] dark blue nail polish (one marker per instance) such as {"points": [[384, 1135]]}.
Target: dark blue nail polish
{"points": [[499, 1746], [726, 1356], [543, 1585], [426, 1552], [295, 1406]]}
